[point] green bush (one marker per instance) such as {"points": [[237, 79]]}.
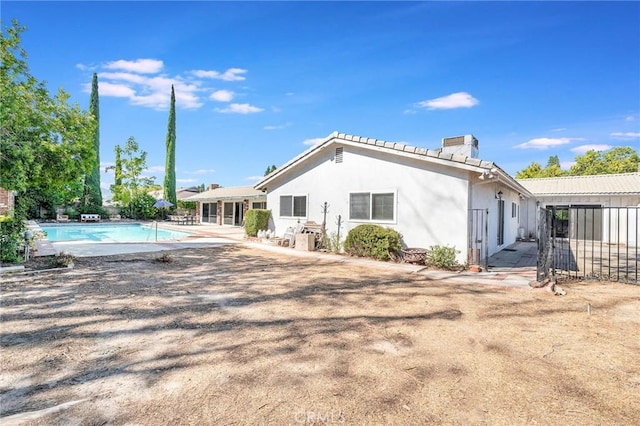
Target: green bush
{"points": [[373, 241], [256, 220], [443, 257], [11, 238]]}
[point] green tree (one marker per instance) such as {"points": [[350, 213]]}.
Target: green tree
{"points": [[270, 169], [170, 168], [92, 196], [133, 188], [533, 170], [622, 159], [45, 143]]}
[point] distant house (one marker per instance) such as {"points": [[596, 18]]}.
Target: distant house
{"points": [[445, 196], [604, 207], [227, 205], [181, 193], [7, 202]]}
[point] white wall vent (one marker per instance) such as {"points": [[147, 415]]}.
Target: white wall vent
{"points": [[339, 152], [466, 145]]}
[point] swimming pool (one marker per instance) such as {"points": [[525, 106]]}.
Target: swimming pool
{"points": [[109, 233]]}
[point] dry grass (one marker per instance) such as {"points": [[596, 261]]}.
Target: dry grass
{"points": [[239, 336]]}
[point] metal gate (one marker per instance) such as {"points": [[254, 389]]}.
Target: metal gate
{"points": [[589, 242], [478, 244]]}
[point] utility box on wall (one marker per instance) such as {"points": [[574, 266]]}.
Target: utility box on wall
{"points": [[306, 242]]}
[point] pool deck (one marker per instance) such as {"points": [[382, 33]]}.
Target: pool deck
{"points": [[202, 235]]}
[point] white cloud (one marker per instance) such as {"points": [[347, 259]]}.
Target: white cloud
{"points": [[630, 118], [254, 178], [409, 111], [142, 66], [545, 143], [625, 135], [202, 171], [144, 84], [278, 127], [240, 109], [559, 129], [125, 76], [114, 90], [454, 100], [593, 147], [188, 180], [566, 165], [222, 95], [313, 141], [232, 74]]}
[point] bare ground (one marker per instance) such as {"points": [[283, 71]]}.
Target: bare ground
{"points": [[234, 335]]}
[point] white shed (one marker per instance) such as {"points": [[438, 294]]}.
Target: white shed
{"points": [[446, 196]]}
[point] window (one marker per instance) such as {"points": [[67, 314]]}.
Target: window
{"points": [[371, 206], [259, 205], [293, 206], [513, 210]]}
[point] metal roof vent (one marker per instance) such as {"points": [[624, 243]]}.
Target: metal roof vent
{"points": [[466, 145], [339, 154]]}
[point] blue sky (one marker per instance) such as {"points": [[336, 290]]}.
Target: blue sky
{"points": [[258, 82]]}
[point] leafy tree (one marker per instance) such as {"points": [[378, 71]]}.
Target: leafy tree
{"points": [[45, 143], [617, 160], [133, 186], [170, 169], [533, 170], [270, 169], [44, 140], [622, 159], [117, 168], [92, 196]]}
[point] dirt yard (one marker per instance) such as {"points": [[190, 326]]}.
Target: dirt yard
{"points": [[234, 335]]}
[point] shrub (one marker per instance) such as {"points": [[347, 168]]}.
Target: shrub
{"points": [[442, 257], [62, 260], [256, 220], [373, 241], [11, 238]]}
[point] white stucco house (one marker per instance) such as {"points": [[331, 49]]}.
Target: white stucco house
{"points": [[445, 196]]}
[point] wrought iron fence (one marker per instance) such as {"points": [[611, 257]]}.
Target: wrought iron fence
{"points": [[589, 242]]}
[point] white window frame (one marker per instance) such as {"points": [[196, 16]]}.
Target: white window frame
{"points": [[371, 194], [293, 196]]}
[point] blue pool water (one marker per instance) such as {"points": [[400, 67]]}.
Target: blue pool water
{"points": [[123, 233]]}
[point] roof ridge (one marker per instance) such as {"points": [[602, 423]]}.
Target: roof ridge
{"points": [[581, 176], [399, 146]]}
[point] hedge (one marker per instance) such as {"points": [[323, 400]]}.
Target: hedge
{"points": [[373, 241], [256, 220]]}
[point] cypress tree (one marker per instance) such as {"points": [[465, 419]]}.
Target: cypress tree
{"points": [[170, 168], [92, 194]]}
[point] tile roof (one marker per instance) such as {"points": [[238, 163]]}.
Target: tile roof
{"points": [[614, 184], [227, 193], [435, 155]]}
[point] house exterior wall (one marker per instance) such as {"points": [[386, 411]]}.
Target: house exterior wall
{"points": [[484, 197], [431, 201], [619, 225]]}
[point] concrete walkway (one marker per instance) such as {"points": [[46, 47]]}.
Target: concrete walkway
{"points": [[513, 267]]}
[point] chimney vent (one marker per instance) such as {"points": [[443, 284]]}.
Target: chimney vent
{"points": [[466, 145], [213, 186]]}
